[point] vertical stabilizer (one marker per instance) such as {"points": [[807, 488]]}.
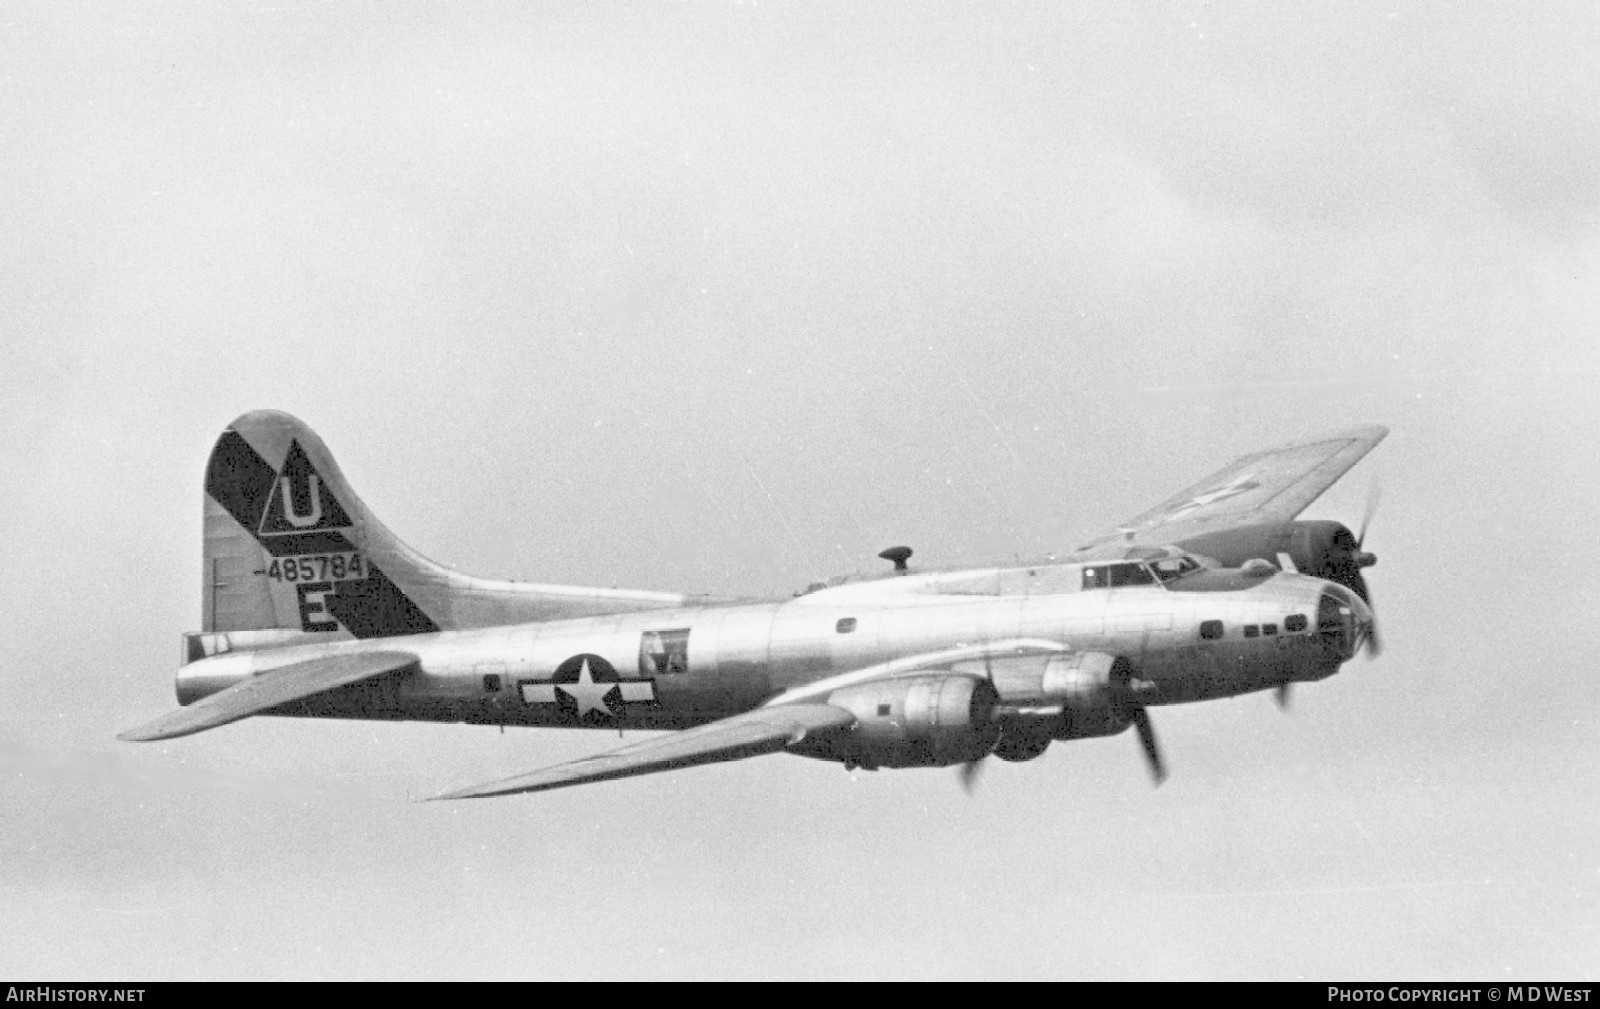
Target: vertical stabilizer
{"points": [[289, 547]]}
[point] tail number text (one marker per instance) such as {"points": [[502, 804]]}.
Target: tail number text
{"points": [[318, 568]]}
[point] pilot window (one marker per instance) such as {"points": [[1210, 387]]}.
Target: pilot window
{"points": [[1269, 629], [1117, 575], [664, 653], [1131, 574], [1169, 568]]}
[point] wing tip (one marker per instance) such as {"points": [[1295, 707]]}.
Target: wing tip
{"points": [[452, 796], [152, 732], [1370, 433], [488, 790]]}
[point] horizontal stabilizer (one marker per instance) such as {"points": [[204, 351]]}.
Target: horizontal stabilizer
{"points": [[765, 730], [268, 690]]}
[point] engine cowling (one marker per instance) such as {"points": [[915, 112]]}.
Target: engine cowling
{"points": [[925, 721], [1322, 549], [1093, 691], [1025, 737]]}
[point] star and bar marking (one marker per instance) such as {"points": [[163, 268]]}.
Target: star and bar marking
{"points": [[1244, 483], [587, 685]]}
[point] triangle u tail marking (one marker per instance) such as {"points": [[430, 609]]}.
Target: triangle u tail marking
{"points": [[314, 492]]}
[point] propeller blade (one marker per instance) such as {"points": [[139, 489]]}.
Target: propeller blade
{"points": [[1358, 583], [969, 774], [1373, 646], [1362, 559], [1282, 696], [1152, 749], [1374, 495]]}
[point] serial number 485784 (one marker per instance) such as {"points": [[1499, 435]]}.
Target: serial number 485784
{"points": [[318, 568]]}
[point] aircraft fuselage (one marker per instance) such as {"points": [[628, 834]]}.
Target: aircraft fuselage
{"points": [[1210, 635], [312, 607]]}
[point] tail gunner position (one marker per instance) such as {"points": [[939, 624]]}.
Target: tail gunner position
{"points": [[313, 608]]}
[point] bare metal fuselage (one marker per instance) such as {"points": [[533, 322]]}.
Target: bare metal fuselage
{"points": [[705, 663], [313, 608]]}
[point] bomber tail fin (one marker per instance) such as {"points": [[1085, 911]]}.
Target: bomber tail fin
{"points": [[291, 550]]}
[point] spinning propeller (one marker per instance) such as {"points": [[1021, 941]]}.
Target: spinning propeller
{"points": [[1152, 749], [1366, 560], [1127, 695], [969, 773], [1346, 557], [1346, 570]]}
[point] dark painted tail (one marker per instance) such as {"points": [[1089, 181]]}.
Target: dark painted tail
{"points": [[289, 547]]}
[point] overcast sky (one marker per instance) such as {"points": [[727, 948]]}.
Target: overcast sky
{"points": [[727, 298]]}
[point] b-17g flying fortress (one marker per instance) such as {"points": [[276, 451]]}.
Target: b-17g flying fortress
{"points": [[313, 608]]}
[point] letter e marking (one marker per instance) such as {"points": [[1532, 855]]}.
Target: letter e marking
{"points": [[314, 615]]}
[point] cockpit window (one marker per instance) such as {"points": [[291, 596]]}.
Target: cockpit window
{"points": [[1102, 576], [1169, 568], [1131, 574]]}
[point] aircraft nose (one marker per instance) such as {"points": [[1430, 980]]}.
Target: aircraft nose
{"points": [[1344, 621]]}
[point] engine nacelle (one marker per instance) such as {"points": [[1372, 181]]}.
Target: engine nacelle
{"points": [[1092, 689], [926, 721], [1039, 680], [1321, 549], [1082, 680]]}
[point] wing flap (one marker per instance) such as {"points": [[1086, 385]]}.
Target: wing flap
{"points": [[764, 730], [268, 690], [1268, 486]]}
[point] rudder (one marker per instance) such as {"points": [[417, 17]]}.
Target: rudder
{"points": [[288, 544], [289, 548]]}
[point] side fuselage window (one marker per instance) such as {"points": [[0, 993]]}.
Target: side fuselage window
{"points": [[664, 653]]}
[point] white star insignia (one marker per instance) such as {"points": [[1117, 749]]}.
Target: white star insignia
{"points": [[586, 693]]}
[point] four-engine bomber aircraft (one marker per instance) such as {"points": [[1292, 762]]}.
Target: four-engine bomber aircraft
{"points": [[313, 608]]}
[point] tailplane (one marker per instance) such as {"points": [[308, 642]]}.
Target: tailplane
{"points": [[290, 550]]}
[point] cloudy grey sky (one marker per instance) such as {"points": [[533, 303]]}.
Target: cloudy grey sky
{"points": [[727, 298]]}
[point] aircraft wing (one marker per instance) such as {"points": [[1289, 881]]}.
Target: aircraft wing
{"points": [[268, 690], [764, 730], [786, 720], [1270, 486]]}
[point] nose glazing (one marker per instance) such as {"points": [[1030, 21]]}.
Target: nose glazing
{"points": [[1343, 621]]}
